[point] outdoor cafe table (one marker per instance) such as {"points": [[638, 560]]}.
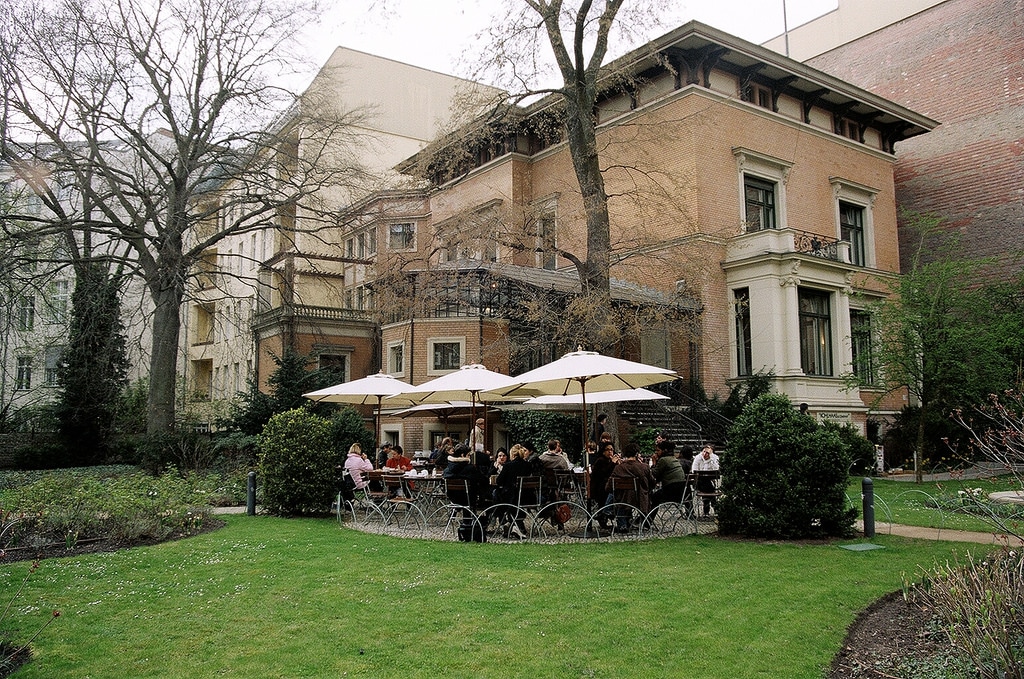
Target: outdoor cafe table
{"points": [[427, 490]]}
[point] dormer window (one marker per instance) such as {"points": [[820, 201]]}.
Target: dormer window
{"points": [[758, 94]]}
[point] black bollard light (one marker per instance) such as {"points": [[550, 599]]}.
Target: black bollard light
{"points": [[250, 495], [867, 493]]}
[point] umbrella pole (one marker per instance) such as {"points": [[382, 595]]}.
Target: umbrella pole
{"points": [[586, 451], [377, 430]]}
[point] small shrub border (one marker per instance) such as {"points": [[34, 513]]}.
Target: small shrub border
{"points": [[67, 506]]}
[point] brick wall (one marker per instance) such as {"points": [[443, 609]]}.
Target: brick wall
{"points": [[961, 63]]}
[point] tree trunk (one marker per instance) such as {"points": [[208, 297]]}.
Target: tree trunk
{"points": [[582, 139], [163, 366], [919, 447]]}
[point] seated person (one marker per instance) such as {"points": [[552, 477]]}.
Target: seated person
{"points": [[707, 461], [669, 473], [439, 458], [633, 469], [397, 460], [460, 467], [507, 489], [600, 470], [356, 463], [552, 460], [500, 460]]}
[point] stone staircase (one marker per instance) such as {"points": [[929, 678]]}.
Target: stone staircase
{"points": [[686, 425]]}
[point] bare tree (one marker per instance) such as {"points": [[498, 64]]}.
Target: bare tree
{"points": [[143, 125], [996, 431], [577, 35]]}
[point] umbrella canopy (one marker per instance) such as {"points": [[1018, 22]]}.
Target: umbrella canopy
{"points": [[583, 372], [615, 396], [371, 389], [443, 410], [586, 372], [473, 382], [434, 409], [360, 392]]}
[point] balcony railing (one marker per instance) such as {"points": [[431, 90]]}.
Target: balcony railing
{"points": [[316, 313], [789, 241], [817, 245]]}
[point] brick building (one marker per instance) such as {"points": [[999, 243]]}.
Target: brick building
{"points": [[745, 185], [960, 62]]}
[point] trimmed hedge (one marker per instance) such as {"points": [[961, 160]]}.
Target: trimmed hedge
{"points": [[297, 461], [783, 475]]}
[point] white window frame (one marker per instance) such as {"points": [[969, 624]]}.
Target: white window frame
{"points": [[412, 246], [23, 374], [862, 196], [27, 313], [768, 169], [461, 341], [60, 300], [398, 344]]}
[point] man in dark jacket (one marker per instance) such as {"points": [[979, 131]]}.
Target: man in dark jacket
{"points": [[637, 495]]}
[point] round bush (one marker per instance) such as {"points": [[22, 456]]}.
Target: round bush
{"points": [[783, 476], [296, 463]]}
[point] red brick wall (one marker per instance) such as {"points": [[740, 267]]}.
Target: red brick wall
{"points": [[961, 63]]}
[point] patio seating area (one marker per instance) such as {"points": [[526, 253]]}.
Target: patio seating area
{"points": [[429, 506]]}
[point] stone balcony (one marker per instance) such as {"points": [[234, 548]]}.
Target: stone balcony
{"points": [[787, 241]]}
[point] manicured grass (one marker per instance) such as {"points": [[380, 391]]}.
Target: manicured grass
{"points": [[268, 597], [931, 504]]}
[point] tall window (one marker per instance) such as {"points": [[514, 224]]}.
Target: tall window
{"points": [[815, 333], [402, 236], [547, 257], [744, 352], [23, 378], [396, 359], [336, 363], [757, 94], [851, 228], [53, 355], [445, 355], [759, 203], [60, 300], [27, 313], [862, 348]]}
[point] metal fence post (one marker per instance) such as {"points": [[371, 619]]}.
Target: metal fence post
{"points": [[867, 493], [250, 495]]}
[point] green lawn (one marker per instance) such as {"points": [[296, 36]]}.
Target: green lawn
{"points": [[912, 504], [267, 597]]}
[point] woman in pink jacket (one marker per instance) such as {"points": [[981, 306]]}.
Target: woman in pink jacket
{"points": [[356, 463]]}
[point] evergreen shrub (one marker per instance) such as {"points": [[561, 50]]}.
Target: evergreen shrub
{"points": [[783, 476], [297, 458], [348, 427], [534, 428]]}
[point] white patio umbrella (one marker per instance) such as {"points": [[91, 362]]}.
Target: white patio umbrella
{"points": [[371, 389], [443, 410], [585, 372], [474, 383], [615, 396]]}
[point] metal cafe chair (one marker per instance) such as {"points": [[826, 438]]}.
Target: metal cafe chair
{"points": [[530, 500], [623, 487], [568, 488], [400, 508], [457, 506], [707, 489]]}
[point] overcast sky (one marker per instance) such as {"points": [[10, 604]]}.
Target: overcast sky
{"points": [[436, 34]]}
